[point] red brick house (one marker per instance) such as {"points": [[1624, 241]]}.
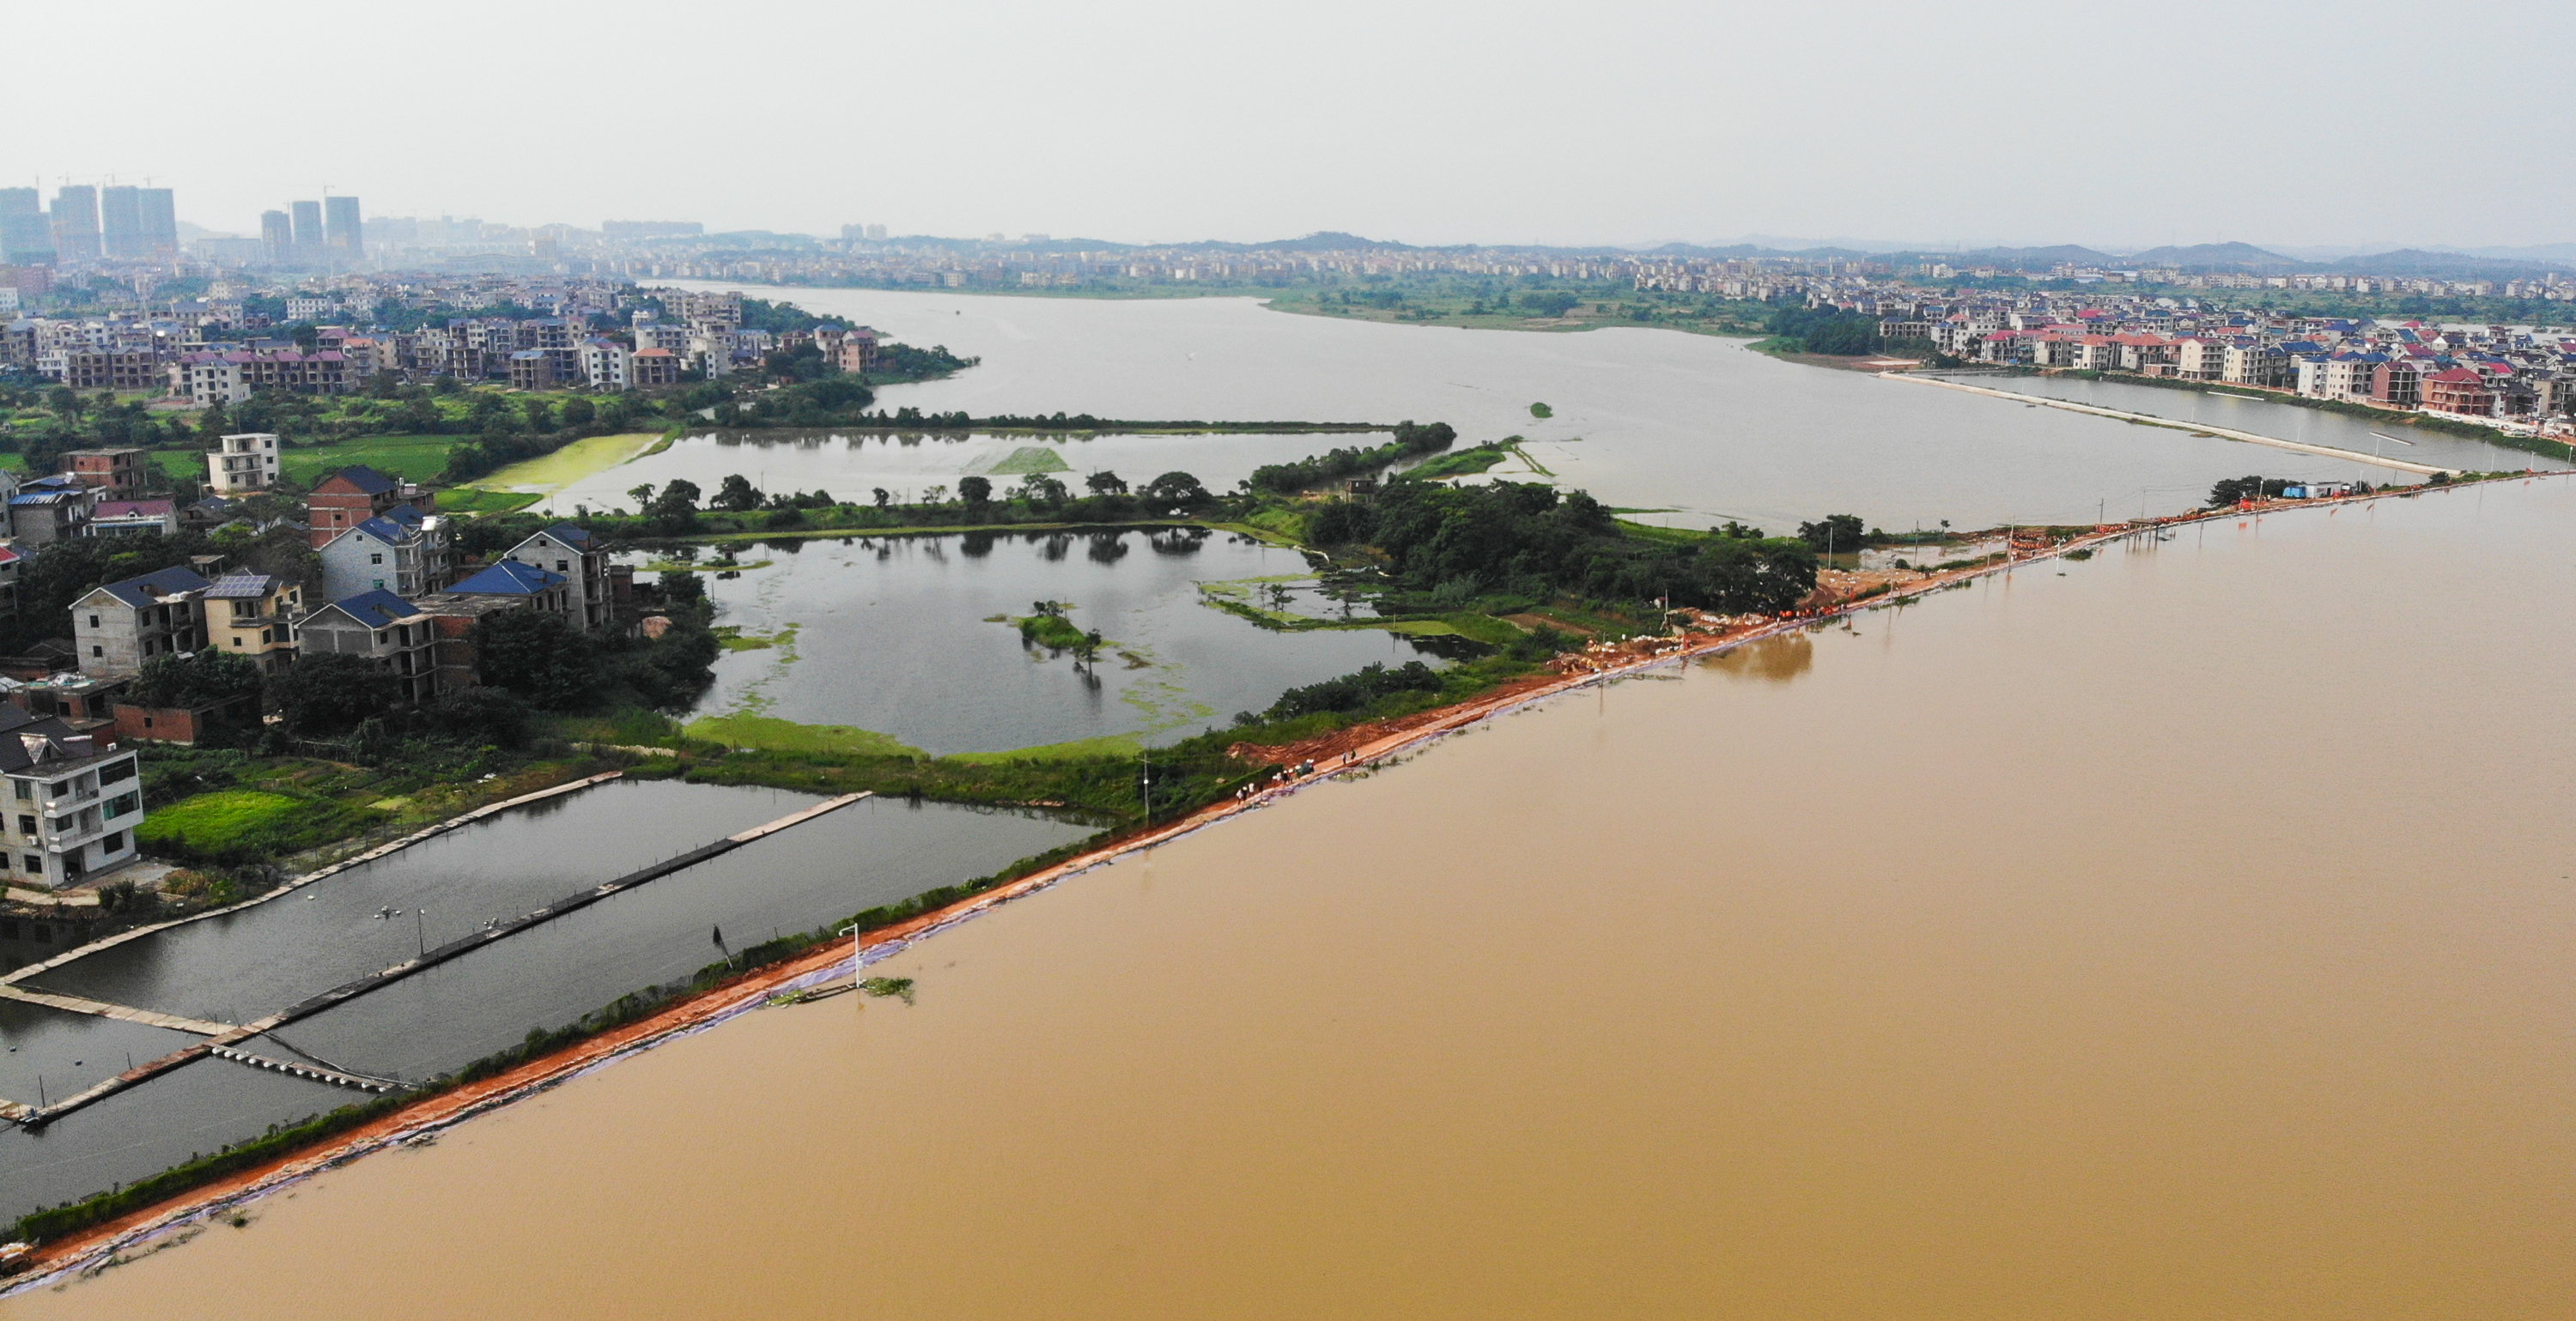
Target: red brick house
{"points": [[353, 495], [2459, 390]]}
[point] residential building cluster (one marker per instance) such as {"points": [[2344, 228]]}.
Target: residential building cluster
{"points": [[2505, 376], [391, 591], [595, 335]]}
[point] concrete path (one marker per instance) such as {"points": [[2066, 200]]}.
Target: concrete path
{"points": [[2150, 419]]}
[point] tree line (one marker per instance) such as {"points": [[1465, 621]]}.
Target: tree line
{"points": [[1459, 545]]}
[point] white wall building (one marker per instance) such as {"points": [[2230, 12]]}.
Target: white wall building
{"points": [[243, 462]]}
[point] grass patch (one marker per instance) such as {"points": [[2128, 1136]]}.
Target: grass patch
{"points": [[246, 825], [1458, 463], [467, 500], [1028, 460], [582, 458], [1081, 749], [732, 638], [410, 458], [771, 734], [1054, 632]]}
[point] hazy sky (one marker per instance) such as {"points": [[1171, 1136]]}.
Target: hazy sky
{"points": [[1615, 121]]}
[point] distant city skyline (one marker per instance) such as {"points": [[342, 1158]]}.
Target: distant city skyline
{"points": [[1629, 123]]}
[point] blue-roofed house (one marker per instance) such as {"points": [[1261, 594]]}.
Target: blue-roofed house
{"points": [[50, 509], [578, 556], [510, 580], [123, 624], [381, 627], [402, 551]]}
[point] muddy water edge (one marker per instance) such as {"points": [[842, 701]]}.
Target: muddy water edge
{"points": [[2185, 935]]}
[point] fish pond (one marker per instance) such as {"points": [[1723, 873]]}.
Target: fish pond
{"points": [[260, 959], [916, 641], [914, 466]]}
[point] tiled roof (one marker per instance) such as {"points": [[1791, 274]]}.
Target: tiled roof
{"points": [[135, 509], [375, 609], [361, 476], [508, 578], [145, 589]]}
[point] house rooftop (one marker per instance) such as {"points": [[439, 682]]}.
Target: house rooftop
{"points": [[242, 587], [134, 509], [151, 588], [364, 478], [508, 578], [375, 609]]}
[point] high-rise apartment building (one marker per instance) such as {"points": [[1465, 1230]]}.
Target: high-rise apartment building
{"points": [[120, 221], [26, 238], [346, 235], [76, 223], [308, 231], [277, 237], [160, 210]]}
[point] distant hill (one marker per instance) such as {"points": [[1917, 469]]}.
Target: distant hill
{"points": [[2445, 265], [2218, 257]]}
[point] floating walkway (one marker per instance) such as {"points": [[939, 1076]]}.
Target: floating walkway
{"points": [[102, 1009], [568, 904], [17, 975], [316, 1073], [2150, 419], [223, 1036]]}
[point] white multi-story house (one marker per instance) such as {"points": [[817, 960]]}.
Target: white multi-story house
{"points": [[123, 624], [72, 805], [246, 461], [399, 551], [577, 556], [604, 364], [211, 378]]}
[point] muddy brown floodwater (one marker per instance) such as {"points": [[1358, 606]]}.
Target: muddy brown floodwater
{"points": [[2184, 936]]}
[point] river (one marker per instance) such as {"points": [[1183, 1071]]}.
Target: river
{"points": [[1648, 419], [2181, 933]]}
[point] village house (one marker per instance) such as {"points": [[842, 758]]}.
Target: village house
{"points": [[253, 615], [134, 518], [73, 803], [511, 580], [402, 551], [577, 555], [2458, 390], [50, 509], [246, 461], [383, 628], [117, 627], [353, 495], [117, 473]]}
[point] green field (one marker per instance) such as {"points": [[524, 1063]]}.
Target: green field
{"points": [[411, 458], [222, 824], [467, 500], [580, 459], [1028, 460], [181, 466], [771, 734]]}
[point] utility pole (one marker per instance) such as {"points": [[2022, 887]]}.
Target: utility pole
{"points": [[1145, 785]]}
